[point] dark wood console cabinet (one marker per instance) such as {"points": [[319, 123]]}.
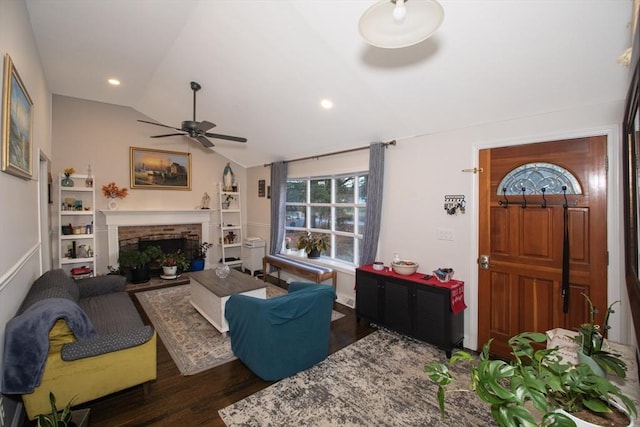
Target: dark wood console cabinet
{"points": [[410, 306]]}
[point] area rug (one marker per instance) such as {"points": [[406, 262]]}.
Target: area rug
{"points": [[376, 381], [193, 343]]}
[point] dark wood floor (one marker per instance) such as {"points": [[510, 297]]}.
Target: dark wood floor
{"points": [[195, 400]]}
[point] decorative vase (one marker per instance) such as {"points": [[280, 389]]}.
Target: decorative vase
{"points": [[197, 265], [169, 271], [222, 271], [588, 360], [67, 182], [89, 180], [112, 204]]}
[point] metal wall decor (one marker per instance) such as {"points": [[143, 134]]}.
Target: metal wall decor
{"points": [[454, 203]]}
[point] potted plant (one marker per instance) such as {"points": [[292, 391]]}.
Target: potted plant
{"points": [[590, 340], [176, 261], [314, 243], [155, 259], [197, 263], [135, 262], [536, 388], [66, 418]]}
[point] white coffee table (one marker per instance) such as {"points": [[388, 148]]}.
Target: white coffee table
{"points": [[209, 293]]}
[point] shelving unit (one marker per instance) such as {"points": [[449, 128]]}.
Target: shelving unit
{"points": [[76, 220], [230, 235]]}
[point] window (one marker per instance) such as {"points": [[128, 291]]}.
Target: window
{"points": [[332, 205]]}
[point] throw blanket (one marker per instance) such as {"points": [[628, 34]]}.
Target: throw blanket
{"points": [[26, 343]]}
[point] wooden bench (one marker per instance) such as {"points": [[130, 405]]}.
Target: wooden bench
{"points": [[299, 268]]}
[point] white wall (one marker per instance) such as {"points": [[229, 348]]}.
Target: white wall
{"points": [[420, 171], [20, 244], [88, 132]]}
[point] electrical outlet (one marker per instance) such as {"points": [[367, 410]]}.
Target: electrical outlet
{"points": [[446, 234]]}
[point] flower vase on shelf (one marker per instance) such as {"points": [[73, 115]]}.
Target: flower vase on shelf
{"points": [[112, 204], [66, 181]]}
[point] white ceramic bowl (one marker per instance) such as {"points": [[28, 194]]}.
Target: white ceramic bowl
{"points": [[405, 267], [378, 266]]}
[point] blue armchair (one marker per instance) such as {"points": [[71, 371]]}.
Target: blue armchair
{"points": [[280, 336]]}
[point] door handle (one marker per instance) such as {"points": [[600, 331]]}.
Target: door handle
{"points": [[484, 263]]}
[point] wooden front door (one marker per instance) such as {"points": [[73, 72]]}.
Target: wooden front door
{"points": [[520, 286]]}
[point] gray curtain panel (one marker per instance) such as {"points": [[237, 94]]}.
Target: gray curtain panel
{"points": [[374, 204], [278, 200]]}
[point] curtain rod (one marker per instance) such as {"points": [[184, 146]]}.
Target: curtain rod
{"points": [[351, 150]]}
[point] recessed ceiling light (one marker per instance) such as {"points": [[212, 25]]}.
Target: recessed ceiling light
{"points": [[327, 104], [114, 82]]}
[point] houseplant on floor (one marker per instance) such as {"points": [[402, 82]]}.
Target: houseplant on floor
{"points": [[66, 418], [174, 264], [133, 262], [531, 389], [314, 243], [197, 262]]}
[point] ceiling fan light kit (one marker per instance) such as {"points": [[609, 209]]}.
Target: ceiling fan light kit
{"points": [[393, 24], [195, 129]]}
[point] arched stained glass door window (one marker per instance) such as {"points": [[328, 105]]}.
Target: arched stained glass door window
{"points": [[533, 177]]}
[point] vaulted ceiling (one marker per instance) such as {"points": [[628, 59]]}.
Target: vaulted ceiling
{"points": [[265, 65]]}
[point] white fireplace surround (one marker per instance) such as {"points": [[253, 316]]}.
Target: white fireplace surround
{"points": [[121, 218]]}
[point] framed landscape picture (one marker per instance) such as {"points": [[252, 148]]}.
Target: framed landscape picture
{"points": [[16, 123], [159, 169]]}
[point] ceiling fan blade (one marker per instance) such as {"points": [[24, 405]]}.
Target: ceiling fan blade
{"points": [[205, 126], [204, 141], [158, 124], [228, 137], [168, 134]]}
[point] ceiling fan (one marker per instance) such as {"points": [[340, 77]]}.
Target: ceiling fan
{"points": [[194, 129]]}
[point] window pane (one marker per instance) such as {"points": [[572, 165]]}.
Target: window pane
{"points": [[321, 191], [344, 219], [344, 189], [296, 191], [362, 188], [296, 216], [344, 248], [321, 217], [362, 215]]}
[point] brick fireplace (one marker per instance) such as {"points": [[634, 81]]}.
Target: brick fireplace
{"points": [[126, 228]]}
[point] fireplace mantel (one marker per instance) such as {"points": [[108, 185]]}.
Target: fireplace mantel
{"points": [[121, 218]]}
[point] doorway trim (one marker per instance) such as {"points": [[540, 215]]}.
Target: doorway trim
{"points": [[620, 330]]}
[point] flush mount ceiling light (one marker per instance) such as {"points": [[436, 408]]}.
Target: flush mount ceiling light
{"points": [[400, 23]]}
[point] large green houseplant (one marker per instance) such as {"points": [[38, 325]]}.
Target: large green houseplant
{"points": [[134, 262], [530, 389], [314, 243]]}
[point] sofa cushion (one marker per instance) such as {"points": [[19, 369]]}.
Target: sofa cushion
{"points": [[52, 284], [111, 313], [59, 335]]}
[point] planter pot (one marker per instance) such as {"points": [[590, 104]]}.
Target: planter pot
{"points": [[313, 254], [197, 265], [139, 275], [169, 271], [582, 423]]}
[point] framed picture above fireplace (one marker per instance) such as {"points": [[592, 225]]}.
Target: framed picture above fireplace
{"points": [[159, 169]]}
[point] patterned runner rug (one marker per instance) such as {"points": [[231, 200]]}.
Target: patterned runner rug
{"points": [[376, 381], [194, 344]]}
